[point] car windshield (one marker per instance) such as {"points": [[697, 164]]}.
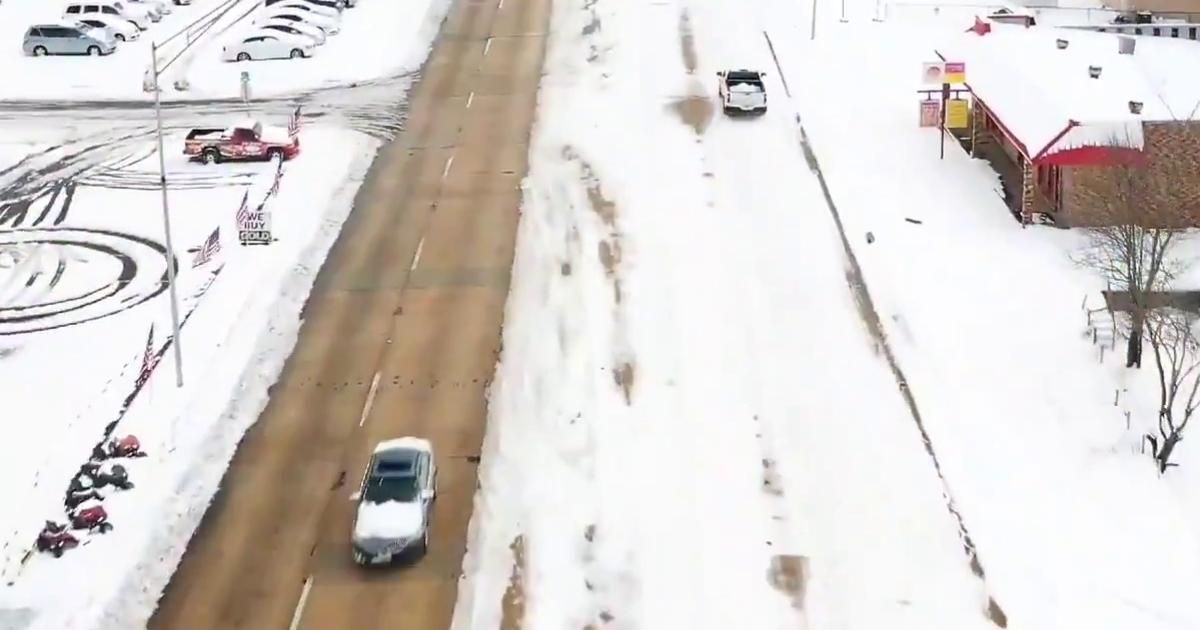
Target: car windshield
{"points": [[391, 488]]}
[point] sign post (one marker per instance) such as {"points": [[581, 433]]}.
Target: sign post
{"points": [[246, 89]]}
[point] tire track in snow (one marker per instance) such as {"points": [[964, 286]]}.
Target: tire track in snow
{"points": [[788, 569], [870, 317]]}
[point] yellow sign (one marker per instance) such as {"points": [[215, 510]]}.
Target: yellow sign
{"points": [[955, 72], [957, 114]]}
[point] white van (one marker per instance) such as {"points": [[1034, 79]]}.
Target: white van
{"points": [[140, 16]]}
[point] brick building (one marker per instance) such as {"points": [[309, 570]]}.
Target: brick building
{"points": [[1086, 127]]}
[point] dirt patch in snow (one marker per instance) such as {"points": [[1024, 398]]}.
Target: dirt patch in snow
{"points": [[866, 314], [695, 109], [788, 575], [687, 43], [771, 482], [512, 606], [623, 376]]}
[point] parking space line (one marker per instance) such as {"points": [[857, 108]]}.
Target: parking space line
{"points": [[449, 163], [487, 46], [470, 97]]}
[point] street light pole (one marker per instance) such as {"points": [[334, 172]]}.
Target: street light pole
{"points": [[162, 178]]}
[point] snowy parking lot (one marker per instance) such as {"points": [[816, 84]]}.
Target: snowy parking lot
{"points": [[191, 40]]}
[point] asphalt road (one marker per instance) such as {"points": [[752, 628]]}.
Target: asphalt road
{"points": [[400, 337]]}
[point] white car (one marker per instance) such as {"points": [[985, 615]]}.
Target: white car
{"points": [[259, 45], [330, 26], [298, 29], [121, 30], [302, 7], [157, 6], [395, 502], [88, 8]]}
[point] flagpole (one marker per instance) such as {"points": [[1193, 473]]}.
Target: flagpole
{"points": [[162, 178]]}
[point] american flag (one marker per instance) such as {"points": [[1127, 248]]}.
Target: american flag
{"points": [[278, 176], [147, 359], [211, 246], [294, 123], [243, 213]]}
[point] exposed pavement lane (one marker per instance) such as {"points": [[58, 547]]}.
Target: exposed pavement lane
{"points": [[411, 298]]}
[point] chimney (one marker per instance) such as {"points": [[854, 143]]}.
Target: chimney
{"points": [[1094, 71], [1061, 43], [1135, 107], [1126, 45]]}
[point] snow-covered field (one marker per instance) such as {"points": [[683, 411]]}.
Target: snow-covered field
{"points": [[377, 38], [689, 401]]}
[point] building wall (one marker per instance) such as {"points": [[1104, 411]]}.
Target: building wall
{"points": [[1165, 193], [1170, 6]]}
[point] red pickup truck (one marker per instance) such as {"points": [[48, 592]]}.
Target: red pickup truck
{"points": [[248, 140]]}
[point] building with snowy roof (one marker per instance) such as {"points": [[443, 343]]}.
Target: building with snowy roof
{"points": [[1073, 111]]}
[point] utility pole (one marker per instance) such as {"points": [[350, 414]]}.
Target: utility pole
{"points": [[166, 215], [813, 32]]}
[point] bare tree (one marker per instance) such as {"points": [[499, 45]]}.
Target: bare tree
{"points": [[1172, 335], [1140, 209]]}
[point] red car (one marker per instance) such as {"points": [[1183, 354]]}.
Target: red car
{"points": [[248, 140]]}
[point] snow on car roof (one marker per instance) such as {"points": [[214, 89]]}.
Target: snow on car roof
{"points": [[1036, 89], [404, 443]]}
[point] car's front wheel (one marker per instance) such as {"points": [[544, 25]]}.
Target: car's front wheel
{"points": [[120, 37], [39, 51], [94, 51], [296, 53]]}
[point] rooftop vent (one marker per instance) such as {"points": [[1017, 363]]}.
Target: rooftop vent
{"points": [[1126, 45], [1094, 71], [1061, 43], [1135, 107]]}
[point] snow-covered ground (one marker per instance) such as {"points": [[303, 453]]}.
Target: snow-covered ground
{"points": [[374, 41], [690, 426], [240, 320], [1074, 527], [680, 337], [377, 38]]}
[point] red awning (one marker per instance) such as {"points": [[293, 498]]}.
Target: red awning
{"points": [[1094, 156]]}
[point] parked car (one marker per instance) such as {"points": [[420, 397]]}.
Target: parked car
{"points": [[297, 29], [327, 24], [80, 10], [395, 502], [245, 140], [742, 91], [261, 45], [157, 6], [326, 7], [62, 39], [122, 30]]}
